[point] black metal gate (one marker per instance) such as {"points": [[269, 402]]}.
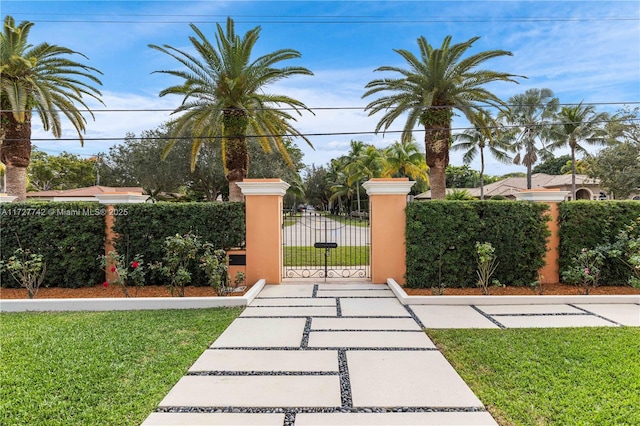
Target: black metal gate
{"points": [[322, 245]]}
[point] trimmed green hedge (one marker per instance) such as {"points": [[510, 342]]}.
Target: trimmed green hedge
{"points": [[441, 237], [68, 235], [587, 224], [145, 226]]}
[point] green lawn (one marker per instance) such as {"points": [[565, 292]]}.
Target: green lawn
{"points": [[98, 368], [570, 376], [341, 256]]}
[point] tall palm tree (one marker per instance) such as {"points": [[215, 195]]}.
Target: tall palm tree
{"points": [[527, 115], [40, 78], [485, 134], [352, 172], [436, 83], [337, 180], [578, 124], [224, 98], [367, 165], [404, 159]]}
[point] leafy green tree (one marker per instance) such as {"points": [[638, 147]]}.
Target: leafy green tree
{"points": [[462, 177], [64, 171], [577, 125], [474, 141], [436, 83], [317, 189], [40, 78], [224, 98], [137, 162], [553, 165], [618, 168], [527, 115]]}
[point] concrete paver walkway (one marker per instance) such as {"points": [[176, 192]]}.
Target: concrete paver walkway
{"points": [[350, 354], [322, 354]]}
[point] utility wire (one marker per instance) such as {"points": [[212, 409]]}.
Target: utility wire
{"points": [[337, 108], [107, 139], [324, 20]]}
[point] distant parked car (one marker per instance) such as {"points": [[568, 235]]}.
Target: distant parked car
{"points": [[360, 214]]}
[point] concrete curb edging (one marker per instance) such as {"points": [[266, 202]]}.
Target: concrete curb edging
{"points": [[130, 304], [506, 300]]}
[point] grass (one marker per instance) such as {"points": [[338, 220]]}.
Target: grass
{"points": [[577, 376], [98, 368], [311, 256]]}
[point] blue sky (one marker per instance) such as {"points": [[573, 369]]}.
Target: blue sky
{"points": [[583, 50]]}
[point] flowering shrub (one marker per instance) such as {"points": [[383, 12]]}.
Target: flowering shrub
{"points": [[214, 264], [123, 274], [585, 269], [487, 265], [27, 269], [180, 252]]}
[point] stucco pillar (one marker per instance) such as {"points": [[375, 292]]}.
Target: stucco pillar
{"points": [[109, 199], [387, 203], [263, 202], [550, 273]]}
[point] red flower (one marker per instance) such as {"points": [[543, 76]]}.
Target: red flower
{"points": [[113, 269], [105, 284], [135, 264]]}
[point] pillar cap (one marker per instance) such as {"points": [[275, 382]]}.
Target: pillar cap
{"points": [[4, 198], [263, 187], [121, 198], [393, 186], [550, 196]]}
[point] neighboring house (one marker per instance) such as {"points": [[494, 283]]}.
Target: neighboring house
{"points": [[81, 194], [586, 188]]}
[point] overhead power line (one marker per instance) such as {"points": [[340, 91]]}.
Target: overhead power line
{"points": [[336, 108], [307, 135], [346, 22]]}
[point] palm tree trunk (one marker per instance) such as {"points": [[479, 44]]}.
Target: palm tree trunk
{"points": [[17, 182], [481, 174], [15, 153], [236, 152], [529, 173], [573, 173], [437, 158], [358, 192]]}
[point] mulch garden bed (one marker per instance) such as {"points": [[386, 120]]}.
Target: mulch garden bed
{"points": [[547, 289], [162, 291], [110, 291]]}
